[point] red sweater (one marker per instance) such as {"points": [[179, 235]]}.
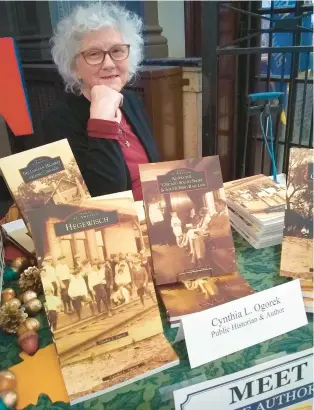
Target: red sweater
{"points": [[134, 154]]}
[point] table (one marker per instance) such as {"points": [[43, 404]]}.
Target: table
{"points": [[261, 269]]}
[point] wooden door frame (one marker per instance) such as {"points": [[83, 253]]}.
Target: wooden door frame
{"points": [[193, 28]]}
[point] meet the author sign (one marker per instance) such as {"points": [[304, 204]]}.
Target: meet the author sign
{"points": [[278, 384], [231, 327]]}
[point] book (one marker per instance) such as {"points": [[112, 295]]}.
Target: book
{"points": [[264, 241], [307, 288], [100, 303], [297, 244], [187, 220], [43, 175], [258, 199], [256, 209]]}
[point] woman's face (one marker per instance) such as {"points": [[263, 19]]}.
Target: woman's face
{"points": [[113, 74]]}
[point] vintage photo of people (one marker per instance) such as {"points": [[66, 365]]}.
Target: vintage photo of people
{"points": [[187, 220], [297, 244], [99, 292]]}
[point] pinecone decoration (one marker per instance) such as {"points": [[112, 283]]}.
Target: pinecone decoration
{"points": [[11, 317], [30, 280]]}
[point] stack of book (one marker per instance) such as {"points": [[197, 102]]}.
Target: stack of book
{"points": [[256, 209], [188, 227], [297, 243]]}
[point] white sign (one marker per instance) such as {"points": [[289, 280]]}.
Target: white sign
{"points": [[278, 384], [231, 327]]}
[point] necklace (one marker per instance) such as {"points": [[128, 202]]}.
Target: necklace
{"points": [[121, 134]]}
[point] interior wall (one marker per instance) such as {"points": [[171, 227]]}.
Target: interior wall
{"points": [[171, 19]]}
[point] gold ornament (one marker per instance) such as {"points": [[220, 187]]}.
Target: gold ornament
{"points": [[30, 280], [7, 294], [21, 329], [9, 398], [33, 306], [7, 381], [13, 303], [11, 317], [28, 295], [32, 324]]}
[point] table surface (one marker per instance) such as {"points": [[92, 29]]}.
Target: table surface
{"points": [[261, 269]]}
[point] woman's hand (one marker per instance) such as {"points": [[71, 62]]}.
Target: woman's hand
{"points": [[105, 103]]}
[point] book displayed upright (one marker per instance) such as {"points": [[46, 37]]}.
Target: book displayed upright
{"points": [[187, 220], [297, 244], [100, 300], [44, 175]]}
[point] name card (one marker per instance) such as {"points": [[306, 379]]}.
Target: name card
{"points": [[278, 384], [245, 322]]}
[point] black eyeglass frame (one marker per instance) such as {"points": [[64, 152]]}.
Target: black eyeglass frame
{"points": [[107, 52]]}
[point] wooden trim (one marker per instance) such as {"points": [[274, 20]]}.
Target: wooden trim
{"points": [[193, 28]]}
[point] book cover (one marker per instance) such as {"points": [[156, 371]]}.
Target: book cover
{"points": [[187, 220], [257, 197], [297, 243], [194, 296], [100, 301], [43, 175]]}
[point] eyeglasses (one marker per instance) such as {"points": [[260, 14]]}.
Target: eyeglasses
{"points": [[96, 56]]}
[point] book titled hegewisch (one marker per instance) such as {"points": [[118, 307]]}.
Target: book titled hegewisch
{"points": [[100, 299], [43, 175], [187, 219]]}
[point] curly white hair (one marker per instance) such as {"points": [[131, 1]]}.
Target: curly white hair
{"points": [[72, 29]]}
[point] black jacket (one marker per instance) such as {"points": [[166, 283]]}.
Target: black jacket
{"points": [[101, 161]]}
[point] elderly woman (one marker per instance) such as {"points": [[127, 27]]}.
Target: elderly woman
{"points": [[97, 50]]}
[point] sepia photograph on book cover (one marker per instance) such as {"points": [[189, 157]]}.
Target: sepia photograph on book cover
{"points": [[44, 175], [297, 244], [258, 196], [99, 296], [187, 220]]}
